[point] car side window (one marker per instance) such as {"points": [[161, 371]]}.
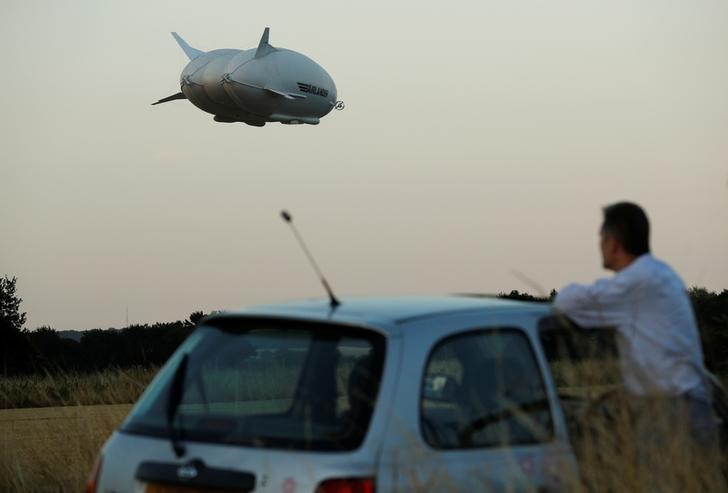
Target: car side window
{"points": [[484, 389]]}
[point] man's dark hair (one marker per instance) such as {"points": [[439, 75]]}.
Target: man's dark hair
{"points": [[629, 224]]}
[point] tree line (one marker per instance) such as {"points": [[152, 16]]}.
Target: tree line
{"points": [[45, 350]]}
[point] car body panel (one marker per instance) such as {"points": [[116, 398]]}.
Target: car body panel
{"points": [[394, 450], [414, 463]]}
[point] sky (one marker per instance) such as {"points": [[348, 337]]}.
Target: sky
{"points": [[479, 142]]}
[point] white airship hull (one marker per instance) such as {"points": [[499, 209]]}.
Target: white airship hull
{"points": [[257, 86]]}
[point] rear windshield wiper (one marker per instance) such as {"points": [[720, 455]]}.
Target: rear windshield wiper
{"points": [[176, 390]]}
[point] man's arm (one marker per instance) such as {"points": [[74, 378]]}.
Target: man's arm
{"points": [[601, 304]]}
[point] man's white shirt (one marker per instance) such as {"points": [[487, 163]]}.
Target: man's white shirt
{"points": [[658, 340]]}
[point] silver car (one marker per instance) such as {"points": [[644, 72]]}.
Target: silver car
{"points": [[437, 394]]}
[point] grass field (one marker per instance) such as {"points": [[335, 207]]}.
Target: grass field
{"points": [[52, 426], [52, 449], [114, 386]]}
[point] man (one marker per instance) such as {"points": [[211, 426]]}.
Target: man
{"points": [[659, 345]]}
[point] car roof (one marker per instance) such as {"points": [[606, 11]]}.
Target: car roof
{"points": [[390, 310]]}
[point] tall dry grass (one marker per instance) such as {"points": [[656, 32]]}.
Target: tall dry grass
{"points": [[632, 445], [645, 446], [53, 449], [113, 386], [52, 426]]}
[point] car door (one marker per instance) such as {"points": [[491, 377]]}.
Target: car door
{"points": [[485, 418]]}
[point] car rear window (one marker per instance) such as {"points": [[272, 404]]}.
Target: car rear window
{"points": [[268, 383], [484, 389]]}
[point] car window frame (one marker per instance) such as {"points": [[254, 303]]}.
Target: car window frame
{"points": [[437, 343]]}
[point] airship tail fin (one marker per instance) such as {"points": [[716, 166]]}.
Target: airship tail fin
{"points": [[189, 51], [179, 95], [263, 47]]}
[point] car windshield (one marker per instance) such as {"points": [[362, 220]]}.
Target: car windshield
{"points": [[268, 383]]}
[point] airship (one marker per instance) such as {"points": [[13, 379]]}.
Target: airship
{"points": [[256, 86]]}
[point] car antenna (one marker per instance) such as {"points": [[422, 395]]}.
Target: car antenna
{"points": [[332, 299]]}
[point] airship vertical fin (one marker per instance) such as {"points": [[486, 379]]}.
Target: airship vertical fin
{"points": [[263, 47], [189, 51]]}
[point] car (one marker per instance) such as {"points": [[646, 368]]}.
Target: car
{"points": [[393, 394]]}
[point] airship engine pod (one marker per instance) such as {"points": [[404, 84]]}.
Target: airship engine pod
{"points": [[256, 86]]}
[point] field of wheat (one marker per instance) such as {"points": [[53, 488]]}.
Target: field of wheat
{"points": [[52, 426], [51, 448]]}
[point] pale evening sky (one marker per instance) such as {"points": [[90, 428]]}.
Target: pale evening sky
{"points": [[480, 140]]}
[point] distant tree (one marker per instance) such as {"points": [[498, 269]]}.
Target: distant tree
{"points": [[12, 320], [711, 312], [10, 304], [48, 350], [515, 295], [196, 317], [101, 349]]}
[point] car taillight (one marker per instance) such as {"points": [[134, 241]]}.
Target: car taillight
{"points": [[93, 479], [353, 485]]}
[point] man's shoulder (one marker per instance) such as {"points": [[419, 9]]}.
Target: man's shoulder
{"points": [[649, 264], [651, 270]]}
